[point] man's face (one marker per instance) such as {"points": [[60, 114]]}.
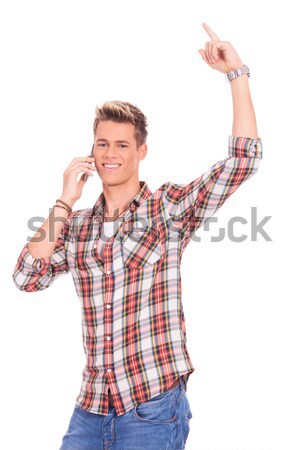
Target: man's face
{"points": [[115, 145]]}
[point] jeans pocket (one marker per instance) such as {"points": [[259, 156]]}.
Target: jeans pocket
{"points": [[158, 410]]}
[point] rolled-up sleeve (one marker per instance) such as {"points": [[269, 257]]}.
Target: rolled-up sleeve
{"points": [[191, 205], [34, 274]]}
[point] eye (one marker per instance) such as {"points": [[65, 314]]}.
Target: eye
{"points": [[121, 145]]}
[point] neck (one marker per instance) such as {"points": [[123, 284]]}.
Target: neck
{"points": [[118, 196]]}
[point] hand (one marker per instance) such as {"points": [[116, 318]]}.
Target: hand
{"points": [[71, 188], [219, 55]]}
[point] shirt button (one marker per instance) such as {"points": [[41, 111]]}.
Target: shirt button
{"points": [[108, 272], [108, 338], [107, 306], [109, 370]]}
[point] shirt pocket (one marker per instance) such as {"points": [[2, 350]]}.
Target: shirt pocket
{"points": [[141, 246]]}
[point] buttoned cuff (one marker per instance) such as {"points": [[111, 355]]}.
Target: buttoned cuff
{"points": [[32, 264], [244, 147]]}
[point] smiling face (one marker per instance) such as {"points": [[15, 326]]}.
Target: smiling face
{"points": [[116, 153]]}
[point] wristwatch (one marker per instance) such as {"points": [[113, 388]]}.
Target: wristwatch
{"points": [[236, 73]]}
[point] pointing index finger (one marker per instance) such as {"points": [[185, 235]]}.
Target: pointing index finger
{"points": [[212, 35]]}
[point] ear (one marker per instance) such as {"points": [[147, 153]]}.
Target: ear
{"points": [[142, 151]]}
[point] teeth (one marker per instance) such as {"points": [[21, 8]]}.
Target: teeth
{"points": [[111, 165]]}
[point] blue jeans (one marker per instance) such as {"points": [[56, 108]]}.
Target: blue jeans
{"points": [[162, 423]]}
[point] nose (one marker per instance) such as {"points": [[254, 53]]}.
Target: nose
{"points": [[110, 152]]}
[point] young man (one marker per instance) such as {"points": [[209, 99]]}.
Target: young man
{"points": [[124, 254]]}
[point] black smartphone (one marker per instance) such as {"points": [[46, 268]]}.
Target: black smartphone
{"points": [[85, 175]]}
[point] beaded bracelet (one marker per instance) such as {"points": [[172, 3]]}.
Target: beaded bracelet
{"points": [[61, 206], [66, 204]]}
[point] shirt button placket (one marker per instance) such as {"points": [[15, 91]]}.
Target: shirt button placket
{"points": [[109, 285]]}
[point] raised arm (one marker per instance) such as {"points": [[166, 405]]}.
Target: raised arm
{"points": [[221, 56], [191, 205]]}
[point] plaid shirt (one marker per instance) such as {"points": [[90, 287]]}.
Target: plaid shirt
{"points": [[133, 325]]}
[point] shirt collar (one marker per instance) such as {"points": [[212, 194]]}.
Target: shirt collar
{"points": [[141, 195]]}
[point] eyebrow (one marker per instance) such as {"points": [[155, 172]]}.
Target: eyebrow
{"points": [[119, 140]]}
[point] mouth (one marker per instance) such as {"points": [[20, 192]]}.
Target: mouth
{"points": [[111, 167]]}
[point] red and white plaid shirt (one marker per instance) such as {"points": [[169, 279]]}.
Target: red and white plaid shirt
{"points": [[133, 324]]}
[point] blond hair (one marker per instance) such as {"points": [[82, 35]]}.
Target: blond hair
{"points": [[119, 111]]}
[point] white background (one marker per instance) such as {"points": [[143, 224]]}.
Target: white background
{"points": [[241, 300]]}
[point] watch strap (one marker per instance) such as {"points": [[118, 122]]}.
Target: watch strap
{"points": [[238, 72]]}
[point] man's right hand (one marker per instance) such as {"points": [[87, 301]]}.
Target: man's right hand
{"points": [[72, 189]]}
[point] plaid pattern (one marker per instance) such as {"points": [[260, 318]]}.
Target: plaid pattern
{"points": [[133, 325]]}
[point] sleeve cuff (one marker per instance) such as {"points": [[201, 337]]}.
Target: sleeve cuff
{"points": [[244, 147], [32, 264]]}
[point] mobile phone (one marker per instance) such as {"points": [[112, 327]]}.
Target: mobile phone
{"points": [[85, 175]]}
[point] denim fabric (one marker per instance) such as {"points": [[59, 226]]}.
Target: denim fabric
{"points": [[162, 423]]}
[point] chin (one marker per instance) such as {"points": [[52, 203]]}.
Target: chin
{"points": [[111, 181]]}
